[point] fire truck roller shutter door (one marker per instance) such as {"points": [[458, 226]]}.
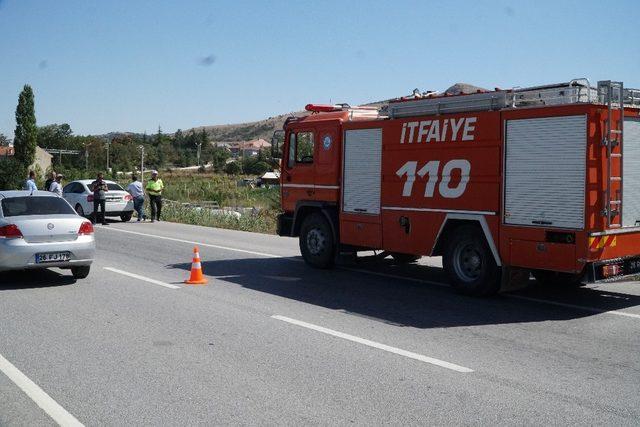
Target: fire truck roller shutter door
{"points": [[545, 166], [631, 173], [362, 171]]}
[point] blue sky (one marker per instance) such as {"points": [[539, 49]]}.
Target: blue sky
{"points": [[132, 65]]}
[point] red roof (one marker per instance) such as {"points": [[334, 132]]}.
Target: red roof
{"points": [[6, 151]]}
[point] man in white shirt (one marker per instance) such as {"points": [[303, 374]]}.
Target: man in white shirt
{"points": [[136, 191], [56, 186]]}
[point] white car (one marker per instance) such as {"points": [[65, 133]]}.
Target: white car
{"points": [[118, 201], [40, 230]]}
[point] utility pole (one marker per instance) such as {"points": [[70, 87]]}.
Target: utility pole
{"points": [[141, 147], [198, 144], [86, 157], [108, 143]]}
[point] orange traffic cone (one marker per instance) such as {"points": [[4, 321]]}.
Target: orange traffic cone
{"points": [[196, 277]]}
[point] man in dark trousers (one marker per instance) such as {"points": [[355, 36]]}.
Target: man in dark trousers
{"points": [[154, 190], [99, 188]]}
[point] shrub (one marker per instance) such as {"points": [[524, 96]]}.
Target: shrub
{"points": [[232, 168], [11, 174]]}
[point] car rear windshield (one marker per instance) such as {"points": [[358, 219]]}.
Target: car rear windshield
{"points": [[34, 205], [114, 187]]}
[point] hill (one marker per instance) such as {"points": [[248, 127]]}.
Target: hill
{"points": [[264, 128]]}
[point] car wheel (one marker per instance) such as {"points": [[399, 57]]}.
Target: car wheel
{"points": [[80, 272], [316, 241], [469, 263], [125, 217], [79, 210], [399, 258], [557, 279]]}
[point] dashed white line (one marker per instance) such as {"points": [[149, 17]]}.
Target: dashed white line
{"points": [[143, 278], [388, 348], [39, 396], [392, 276]]}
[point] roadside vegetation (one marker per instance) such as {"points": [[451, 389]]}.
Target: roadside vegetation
{"points": [[189, 198]]}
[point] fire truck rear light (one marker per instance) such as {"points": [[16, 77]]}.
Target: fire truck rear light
{"points": [[611, 270]]}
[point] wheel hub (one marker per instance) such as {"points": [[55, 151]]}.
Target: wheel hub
{"points": [[468, 262], [316, 241]]}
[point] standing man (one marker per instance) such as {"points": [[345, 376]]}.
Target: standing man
{"points": [[154, 188], [135, 189], [49, 181], [30, 183], [99, 188], [56, 186]]}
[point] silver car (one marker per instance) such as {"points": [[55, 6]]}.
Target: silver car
{"points": [[40, 230]]}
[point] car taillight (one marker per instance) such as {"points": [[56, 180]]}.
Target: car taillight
{"points": [[85, 228], [90, 198], [128, 197], [10, 231]]}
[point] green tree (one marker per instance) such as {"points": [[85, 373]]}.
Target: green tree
{"points": [[4, 141], [233, 168], [26, 133]]}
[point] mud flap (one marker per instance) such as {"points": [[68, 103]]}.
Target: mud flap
{"points": [[513, 279]]}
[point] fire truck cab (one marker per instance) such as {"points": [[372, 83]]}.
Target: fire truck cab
{"points": [[543, 179]]}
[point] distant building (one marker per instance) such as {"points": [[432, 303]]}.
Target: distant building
{"points": [[248, 148], [43, 160], [6, 151]]}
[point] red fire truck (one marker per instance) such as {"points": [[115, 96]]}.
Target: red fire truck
{"points": [[541, 179]]}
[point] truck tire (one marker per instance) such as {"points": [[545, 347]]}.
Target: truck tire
{"points": [[469, 263], [399, 258], [316, 241], [80, 272], [557, 279]]}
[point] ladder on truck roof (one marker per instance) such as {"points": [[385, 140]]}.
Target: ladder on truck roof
{"points": [[613, 95], [572, 92]]}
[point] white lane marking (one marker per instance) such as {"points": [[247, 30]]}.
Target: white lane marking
{"points": [[146, 279], [392, 276], [42, 399], [577, 307], [191, 242], [374, 344]]}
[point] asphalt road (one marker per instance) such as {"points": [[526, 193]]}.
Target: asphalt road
{"points": [[272, 341]]}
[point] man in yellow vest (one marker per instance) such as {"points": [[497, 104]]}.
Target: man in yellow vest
{"points": [[154, 189]]}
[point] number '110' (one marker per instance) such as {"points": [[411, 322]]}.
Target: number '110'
{"points": [[431, 170]]}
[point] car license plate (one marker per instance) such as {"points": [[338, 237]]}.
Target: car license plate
{"points": [[53, 257]]}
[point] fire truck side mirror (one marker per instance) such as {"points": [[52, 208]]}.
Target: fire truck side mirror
{"points": [[277, 141]]}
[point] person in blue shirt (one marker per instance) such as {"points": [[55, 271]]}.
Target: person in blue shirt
{"points": [[137, 193], [30, 183]]}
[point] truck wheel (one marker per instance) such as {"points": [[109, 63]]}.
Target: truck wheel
{"points": [[316, 241], [404, 258], [557, 279], [469, 263], [80, 272]]}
